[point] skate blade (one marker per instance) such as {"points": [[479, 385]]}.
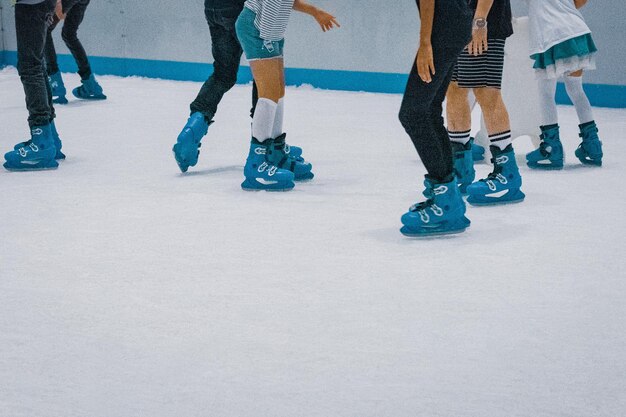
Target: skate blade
{"points": [[13, 169], [253, 186], [432, 235]]}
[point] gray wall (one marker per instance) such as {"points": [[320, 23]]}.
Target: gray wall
{"points": [[371, 39]]}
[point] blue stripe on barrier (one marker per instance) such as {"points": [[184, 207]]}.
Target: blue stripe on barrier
{"points": [[601, 95]]}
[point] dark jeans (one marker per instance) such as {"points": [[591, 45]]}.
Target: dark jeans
{"points": [[227, 55], [421, 114], [31, 27], [69, 33]]}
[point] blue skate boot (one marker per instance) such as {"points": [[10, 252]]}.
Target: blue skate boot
{"points": [[282, 158], [478, 152], [187, 147], [550, 152], [463, 164], [295, 151], [89, 90], [260, 173], [57, 143], [58, 88], [589, 152], [503, 185], [38, 153], [443, 213]]}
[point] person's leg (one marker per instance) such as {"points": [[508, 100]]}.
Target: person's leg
{"points": [[69, 33], [503, 185], [227, 53], [269, 77], [421, 115], [495, 115], [459, 113], [32, 30], [574, 88], [52, 65], [419, 122], [589, 152], [31, 23], [459, 117]]}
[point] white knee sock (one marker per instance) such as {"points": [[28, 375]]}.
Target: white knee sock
{"points": [[574, 88], [263, 121], [547, 93], [501, 140], [278, 120], [459, 137]]}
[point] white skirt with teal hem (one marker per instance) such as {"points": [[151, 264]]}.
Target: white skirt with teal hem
{"points": [[566, 57]]}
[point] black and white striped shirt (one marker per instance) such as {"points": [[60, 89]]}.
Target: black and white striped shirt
{"points": [[272, 17]]}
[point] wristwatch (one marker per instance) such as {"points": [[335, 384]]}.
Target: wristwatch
{"points": [[479, 23]]}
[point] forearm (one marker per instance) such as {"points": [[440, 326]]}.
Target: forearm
{"points": [[427, 17], [579, 3], [304, 7], [482, 8]]}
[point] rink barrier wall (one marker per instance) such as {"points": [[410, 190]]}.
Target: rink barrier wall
{"points": [[600, 95]]}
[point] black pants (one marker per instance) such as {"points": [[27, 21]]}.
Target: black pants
{"points": [[421, 114], [31, 27], [227, 55], [69, 33]]}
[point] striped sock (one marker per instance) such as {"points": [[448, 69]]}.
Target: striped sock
{"points": [[459, 137], [501, 140]]}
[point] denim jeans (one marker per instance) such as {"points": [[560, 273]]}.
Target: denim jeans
{"points": [[31, 27], [226, 54], [72, 21], [421, 114]]}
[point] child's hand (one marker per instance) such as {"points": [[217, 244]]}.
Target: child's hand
{"points": [[425, 62], [326, 20]]}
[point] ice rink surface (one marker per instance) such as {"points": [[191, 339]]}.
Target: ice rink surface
{"points": [[129, 289]]}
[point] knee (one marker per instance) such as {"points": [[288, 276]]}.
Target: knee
{"points": [[456, 95], [410, 117], [488, 98], [68, 36]]}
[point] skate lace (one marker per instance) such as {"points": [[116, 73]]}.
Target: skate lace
{"points": [[423, 207], [496, 175], [545, 149], [23, 151], [271, 169]]}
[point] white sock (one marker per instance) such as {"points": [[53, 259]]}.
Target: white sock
{"points": [[263, 120], [459, 137], [547, 93], [278, 120], [574, 88], [501, 140]]}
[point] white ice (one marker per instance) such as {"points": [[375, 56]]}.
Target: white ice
{"points": [[129, 289]]}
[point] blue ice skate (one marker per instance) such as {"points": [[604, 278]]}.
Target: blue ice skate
{"points": [[443, 213], [57, 143], [187, 147], [282, 158], [549, 155], [463, 164], [589, 152], [503, 185], [89, 90], [261, 174], [478, 152], [38, 153], [58, 88], [295, 151]]}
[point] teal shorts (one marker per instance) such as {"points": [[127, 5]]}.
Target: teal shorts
{"points": [[249, 36]]}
